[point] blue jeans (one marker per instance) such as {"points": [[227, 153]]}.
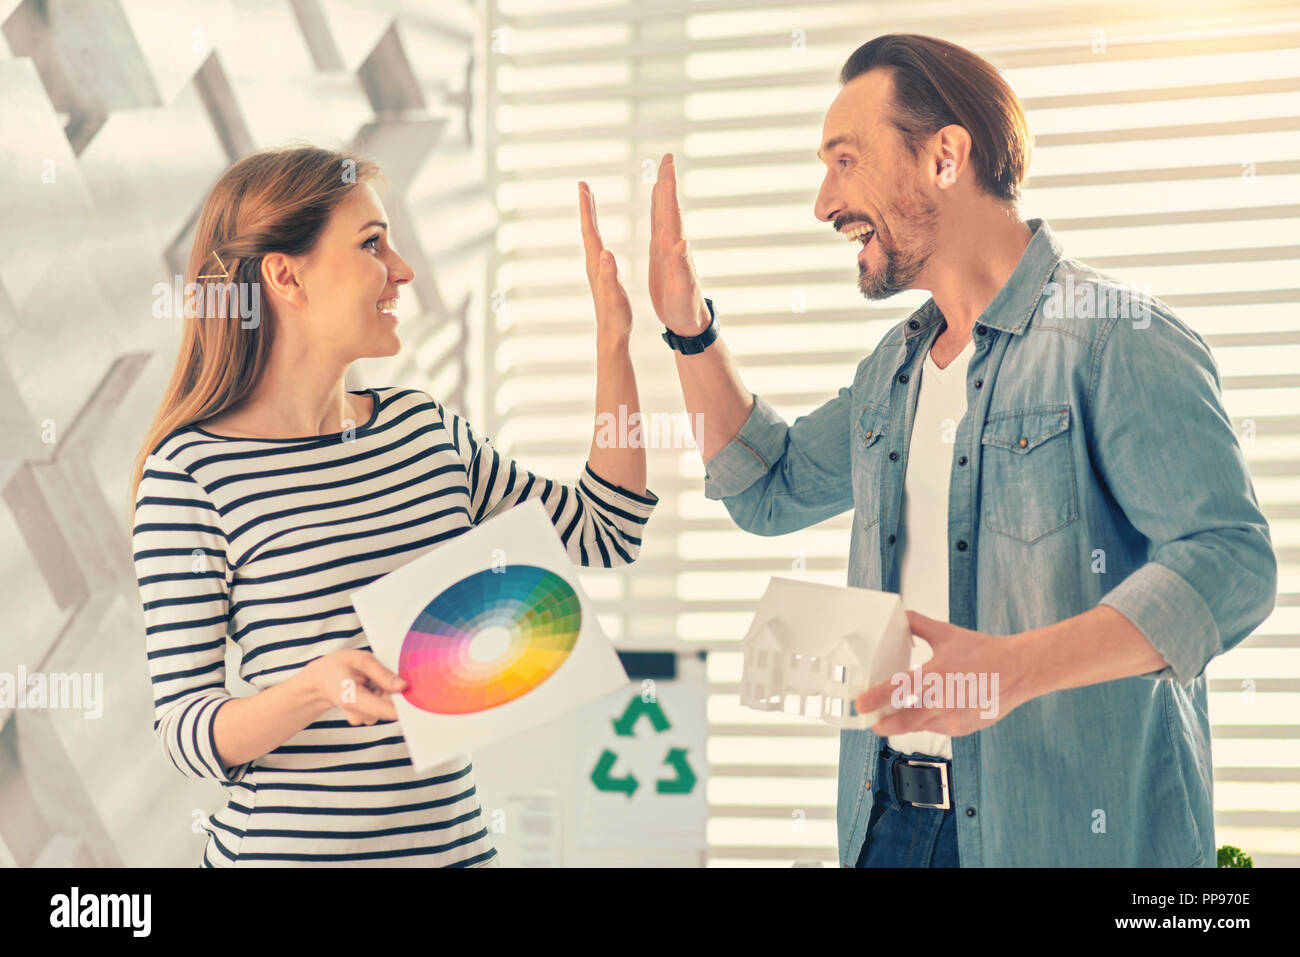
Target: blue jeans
{"points": [[903, 835]]}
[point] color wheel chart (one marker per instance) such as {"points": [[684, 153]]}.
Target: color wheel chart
{"points": [[488, 639]]}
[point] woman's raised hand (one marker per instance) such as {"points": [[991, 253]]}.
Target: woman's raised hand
{"points": [[613, 311]]}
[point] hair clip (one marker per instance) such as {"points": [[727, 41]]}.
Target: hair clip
{"points": [[221, 275]]}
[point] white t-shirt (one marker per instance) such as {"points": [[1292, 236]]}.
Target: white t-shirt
{"points": [[923, 538]]}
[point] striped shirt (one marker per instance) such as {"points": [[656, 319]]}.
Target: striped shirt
{"points": [[261, 541]]}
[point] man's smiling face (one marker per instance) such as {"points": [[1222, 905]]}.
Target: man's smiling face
{"points": [[873, 193]]}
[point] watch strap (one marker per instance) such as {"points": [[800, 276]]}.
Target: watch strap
{"points": [[693, 345]]}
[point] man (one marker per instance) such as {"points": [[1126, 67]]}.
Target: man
{"points": [[1041, 467]]}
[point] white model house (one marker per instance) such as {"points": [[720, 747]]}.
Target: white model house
{"points": [[812, 649]]}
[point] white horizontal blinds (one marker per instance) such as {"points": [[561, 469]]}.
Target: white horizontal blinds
{"points": [[1167, 152]]}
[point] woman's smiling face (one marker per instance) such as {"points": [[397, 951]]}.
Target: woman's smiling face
{"points": [[351, 281]]}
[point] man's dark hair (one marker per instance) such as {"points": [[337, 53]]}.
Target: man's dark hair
{"points": [[937, 83]]}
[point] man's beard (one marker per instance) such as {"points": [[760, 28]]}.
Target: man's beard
{"points": [[900, 268]]}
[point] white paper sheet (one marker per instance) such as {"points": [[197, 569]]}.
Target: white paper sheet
{"points": [[519, 539]]}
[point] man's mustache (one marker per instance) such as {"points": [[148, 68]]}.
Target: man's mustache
{"points": [[845, 221]]}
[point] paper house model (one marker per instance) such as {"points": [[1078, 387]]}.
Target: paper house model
{"points": [[812, 649]]}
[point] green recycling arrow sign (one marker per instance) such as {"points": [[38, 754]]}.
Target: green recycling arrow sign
{"points": [[685, 776], [635, 708], [683, 781], [605, 781]]}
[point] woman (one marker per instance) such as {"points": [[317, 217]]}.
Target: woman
{"points": [[265, 494]]}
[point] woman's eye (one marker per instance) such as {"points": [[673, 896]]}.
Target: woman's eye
{"points": [[366, 244]]}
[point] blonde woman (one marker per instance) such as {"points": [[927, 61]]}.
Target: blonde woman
{"points": [[265, 493]]}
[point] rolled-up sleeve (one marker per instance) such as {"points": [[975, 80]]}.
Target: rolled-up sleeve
{"points": [[599, 523], [1164, 446], [749, 456], [776, 478]]}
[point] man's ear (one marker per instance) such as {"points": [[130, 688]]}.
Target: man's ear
{"points": [[951, 148]]}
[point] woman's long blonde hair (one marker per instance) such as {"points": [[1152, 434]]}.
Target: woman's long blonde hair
{"points": [[273, 201]]}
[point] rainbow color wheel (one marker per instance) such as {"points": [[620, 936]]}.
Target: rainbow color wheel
{"points": [[490, 638]]}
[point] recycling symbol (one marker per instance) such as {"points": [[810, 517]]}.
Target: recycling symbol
{"points": [[625, 727]]}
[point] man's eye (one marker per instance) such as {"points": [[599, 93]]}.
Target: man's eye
{"points": [[367, 243], [844, 159]]}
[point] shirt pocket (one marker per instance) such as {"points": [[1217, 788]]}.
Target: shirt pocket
{"points": [[870, 453], [1028, 487]]}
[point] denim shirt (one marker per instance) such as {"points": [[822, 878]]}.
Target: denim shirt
{"points": [[1095, 464]]}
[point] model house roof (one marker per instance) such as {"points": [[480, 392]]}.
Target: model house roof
{"points": [[824, 620], [859, 628]]}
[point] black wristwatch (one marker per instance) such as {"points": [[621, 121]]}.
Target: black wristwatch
{"points": [[692, 345]]}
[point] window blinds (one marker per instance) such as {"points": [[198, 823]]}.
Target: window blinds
{"points": [[1166, 153]]}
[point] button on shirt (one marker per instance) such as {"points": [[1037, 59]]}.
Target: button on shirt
{"points": [[923, 536], [1099, 468]]}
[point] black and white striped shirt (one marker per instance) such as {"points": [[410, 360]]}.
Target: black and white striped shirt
{"points": [[263, 540]]}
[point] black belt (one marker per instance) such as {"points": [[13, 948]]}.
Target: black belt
{"points": [[922, 783]]}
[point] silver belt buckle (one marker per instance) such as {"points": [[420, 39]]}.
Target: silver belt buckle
{"points": [[943, 782]]}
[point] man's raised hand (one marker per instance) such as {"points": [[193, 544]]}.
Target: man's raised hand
{"points": [[674, 287]]}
